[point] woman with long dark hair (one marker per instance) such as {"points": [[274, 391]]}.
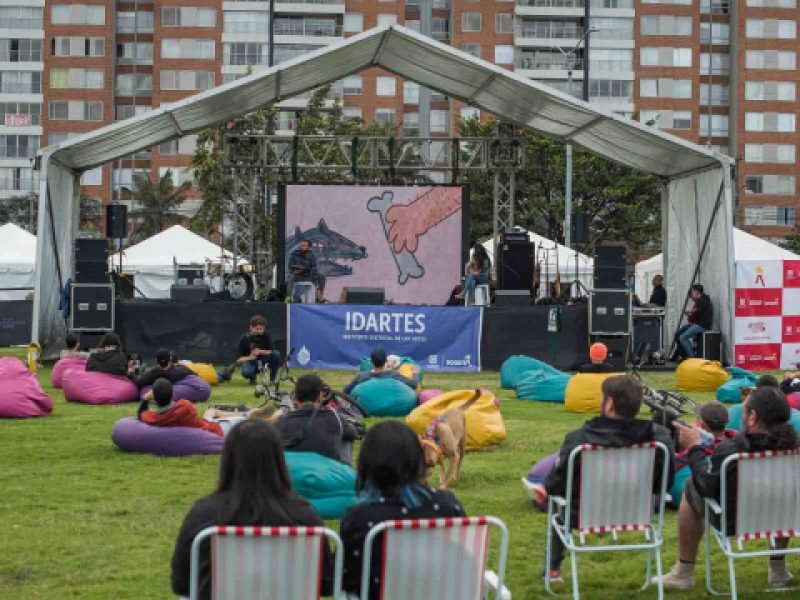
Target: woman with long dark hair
{"points": [[391, 475], [254, 490], [477, 271], [109, 357]]}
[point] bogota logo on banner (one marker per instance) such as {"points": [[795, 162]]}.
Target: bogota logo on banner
{"points": [[758, 357], [759, 303], [791, 274]]}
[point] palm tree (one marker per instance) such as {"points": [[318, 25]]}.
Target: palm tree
{"points": [[157, 203]]}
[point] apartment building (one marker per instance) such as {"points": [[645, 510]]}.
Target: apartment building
{"points": [[713, 71]]}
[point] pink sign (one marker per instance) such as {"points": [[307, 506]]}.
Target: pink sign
{"points": [[18, 120]]}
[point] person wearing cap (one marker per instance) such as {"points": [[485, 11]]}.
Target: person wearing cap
{"points": [[597, 353], [379, 371], [765, 426], [712, 417]]}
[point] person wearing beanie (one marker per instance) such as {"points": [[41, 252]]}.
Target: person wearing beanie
{"points": [[164, 369], [712, 417], [597, 353]]}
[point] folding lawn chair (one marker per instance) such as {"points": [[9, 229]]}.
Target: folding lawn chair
{"points": [[436, 558], [616, 492], [252, 563], [767, 506]]}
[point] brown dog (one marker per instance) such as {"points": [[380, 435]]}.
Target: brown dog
{"points": [[446, 438]]}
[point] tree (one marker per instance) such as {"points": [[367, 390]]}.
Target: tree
{"points": [[157, 203], [21, 210], [792, 241]]}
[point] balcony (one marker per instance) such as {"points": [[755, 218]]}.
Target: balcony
{"points": [[11, 87], [308, 32], [610, 66], [537, 63], [550, 8], [546, 35], [19, 184], [325, 7]]}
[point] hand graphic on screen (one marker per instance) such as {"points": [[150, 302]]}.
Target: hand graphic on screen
{"points": [[411, 221]]}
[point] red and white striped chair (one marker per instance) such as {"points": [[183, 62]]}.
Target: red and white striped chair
{"points": [[767, 507], [616, 494], [436, 558], [252, 563]]}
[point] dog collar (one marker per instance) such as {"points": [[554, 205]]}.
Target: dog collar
{"points": [[431, 444]]}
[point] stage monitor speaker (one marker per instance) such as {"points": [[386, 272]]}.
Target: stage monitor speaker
{"points": [[610, 256], [364, 295], [618, 349], [515, 270], [579, 228], [91, 271], [92, 307], [512, 298], [610, 311], [649, 330], [190, 275], [116, 221], [91, 250], [709, 345], [194, 294]]}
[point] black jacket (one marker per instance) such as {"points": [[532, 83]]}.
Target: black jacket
{"points": [[325, 435], [591, 367], [362, 517], [248, 343], [173, 374], [659, 296], [205, 513], [111, 360], [788, 388], [703, 312], [615, 433], [707, 481]]}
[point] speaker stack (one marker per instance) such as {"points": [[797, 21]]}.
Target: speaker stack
{"points": [[116, 221], [515, 269], [92, 293], [610, 315]]}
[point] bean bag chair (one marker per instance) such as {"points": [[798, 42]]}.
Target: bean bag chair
{"points": [[700, 375], [485, 425], [190, 388], [385, 397], [21, 394], [676, 491], [406, 368], [514, 367], [426, 395], [730, 391], [546, 385], [90, 387], [131, 435], [584, 392], [735, 418], [205, 372], [78, 363], [327, 484], [539, 472], [794, 400]]}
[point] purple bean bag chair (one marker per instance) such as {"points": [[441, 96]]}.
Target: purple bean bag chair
{"points": [[426, 395], [90, 387], [541, 470], [21, 394], [131, 435], [77, 363], [191, 388]]}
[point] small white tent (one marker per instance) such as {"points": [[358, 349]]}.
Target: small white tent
{"points": [[17, 262], [745, 247], [152, 262]]}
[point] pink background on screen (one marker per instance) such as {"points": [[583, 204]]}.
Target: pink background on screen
{"points": [[344, 209]]}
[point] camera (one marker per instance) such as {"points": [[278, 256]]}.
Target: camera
{"points": [[135, 364], [667, 407]]}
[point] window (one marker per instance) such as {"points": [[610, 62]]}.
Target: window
{"points": [[682, 57], [770, 59], [783, 216], [719, 95], [18, 179], [353, 22], [246, 21], [473, 49], [77, 46], [470, 22], [351, 86], [77, 79], [387, 19], [773, 3], [21, 82], [249, 53], [779, 185], [351, 112], [134, 22], [720, 33], [504, 55], [719, 125], [665, 88], [440, 121], [142, 83], [21, 112], [610, 90], [504, 23], [716, 7], [682, 119], [284, 52], [385, 116], [665, 25], [609, 28], [612, 4], [92, 177], [20, 50], [176, 16], [21, 17], [470, 113], [385, 86], [187, 80], [140, 53], [128, 111], [410, 92], [769, 153], [440, 28], [665, 57], [771, 28], [185, 146], [770, 90], [188, 48], [410, 123], [607, 60], [78, 14], [19, 146], [76, 110], [720, 64], [769, 122]]}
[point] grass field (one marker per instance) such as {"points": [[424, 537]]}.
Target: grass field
{"points": [[83, 520]]}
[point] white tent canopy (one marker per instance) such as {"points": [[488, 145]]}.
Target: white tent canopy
{"points": [[152, 261], [697, 193], [745, 247], [17, 262]]}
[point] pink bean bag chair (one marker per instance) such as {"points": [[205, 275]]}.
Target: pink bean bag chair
{"points": [[426, 395], [21, 394], [90, 387], [131, 435], [794, 400], [76, 363], [191, 388]]}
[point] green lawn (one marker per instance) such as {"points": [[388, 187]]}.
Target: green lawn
{"points": [[83, 520]]}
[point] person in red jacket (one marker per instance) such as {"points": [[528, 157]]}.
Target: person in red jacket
{"points": [[170, 413]]}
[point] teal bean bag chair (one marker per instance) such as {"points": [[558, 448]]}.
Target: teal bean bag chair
{"points": [[328, 485], [515, 367], [730, 391], [676, 491], [546, 385], [735, 418], [384, 397]]}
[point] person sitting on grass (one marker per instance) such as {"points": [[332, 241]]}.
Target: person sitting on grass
{"points": [[790, 383], [598, 353], [379, 371], [254, 490], [257, 352], [765, 426], [391, 475], [71, 342], [713, 418], [109, 357], [171, 413], [617, 426]]}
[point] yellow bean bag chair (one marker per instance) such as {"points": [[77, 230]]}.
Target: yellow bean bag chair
{"points": [[407, 370], [700, 375], [485, 425], [584, 392], [205, 372]]}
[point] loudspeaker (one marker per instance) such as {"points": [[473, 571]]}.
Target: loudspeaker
{"points": [[190, 275], [512, 298], [193, 294], [709, 345], [515, 269], [650, 330], [609, 267], [610, 311], [92, 307], [96, 250], [116, 221], [618, 346], [364, 295], [91, 261], [610, 256], [579, 228]]}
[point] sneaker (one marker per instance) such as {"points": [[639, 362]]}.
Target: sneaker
{"points": [[536, 492], [779, 575], [227, 373], [679, 578], [555, 576]]}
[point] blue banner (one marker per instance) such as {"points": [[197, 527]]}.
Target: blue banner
{"points": [[337, 336]]}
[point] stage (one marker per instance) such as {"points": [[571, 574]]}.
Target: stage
{"points": [[210, 331]]}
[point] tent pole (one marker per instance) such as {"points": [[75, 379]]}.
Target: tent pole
{"points": [[713, 218]]}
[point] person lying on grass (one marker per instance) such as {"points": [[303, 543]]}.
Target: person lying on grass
{"points": [[170, 413]]}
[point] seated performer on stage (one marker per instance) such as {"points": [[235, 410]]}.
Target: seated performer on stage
{"points": [[701, 319], [256, 351], [303, 267], [598, 353], [378, 358], [477, 272], [659, 295]]}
